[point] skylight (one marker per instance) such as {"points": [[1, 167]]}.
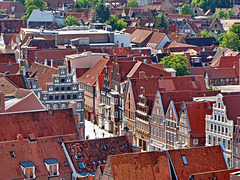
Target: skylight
{"points": [[81, 165], [99, 162], [126, 144], [184, 159], [104, 161], [94, 162]]}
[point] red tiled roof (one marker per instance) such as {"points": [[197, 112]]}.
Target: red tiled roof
{"points": [[90, 77], [200, 159], [149, 165], [54, 54], [220, 175], [155, 40], [12, 68], [198, 70], [7, 87], [140, 36], [196, 114], [7, 57], [177, 37], [221, 73], [42, 73], [40, 123], [232, 104], [43, 148], [16, 79], [28, 103], [225, 62], [91, 151]]}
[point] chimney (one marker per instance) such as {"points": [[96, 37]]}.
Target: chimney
{"points": [[51, 63], [45, 62], [142, 74], [122, 45], [2, 101], [3, 27], [19, 137], [223, 53]]}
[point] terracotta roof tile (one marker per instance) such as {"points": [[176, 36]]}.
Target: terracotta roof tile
{"points": [[40, 123], [149, 165], [196, 114], [42, 73], [155, 40], [177, 37], [198, 160], [232, 104], [140, 36], [12, 68], [221, 73], [90, 77], [43, 148], [220, 175], [95, 152]]}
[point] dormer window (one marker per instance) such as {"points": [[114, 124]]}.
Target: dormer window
{"points": [[184, 159], [28, 169], [62, 71], [52, 166]]}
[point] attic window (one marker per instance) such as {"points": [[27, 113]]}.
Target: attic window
{"points": [[94, 162], [126, 144], [65, 163], [12, 153], [52, 166], [81, 165], [78, 156], [104, 161], [2, 84], [104, 147], [60, 139], [99, 162], [28, 169], [184, 159]]}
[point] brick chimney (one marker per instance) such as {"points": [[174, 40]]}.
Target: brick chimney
{"points": [[223, 53], [2, 101], [122, 45]]}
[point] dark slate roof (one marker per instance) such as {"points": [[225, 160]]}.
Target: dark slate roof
{"points": [[206, 41]]}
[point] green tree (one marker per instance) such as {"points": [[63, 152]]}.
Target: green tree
{"points": [[205, 33], [71, 20], [177, 62], [21, 1], [40, 4], [161, 21], [230, 40], [211, 4], [186, 9], [221, 14], [116, 23], [230, 13], [29, 10], [82, 4], [235, 28], [101, 12], [132, 3]]}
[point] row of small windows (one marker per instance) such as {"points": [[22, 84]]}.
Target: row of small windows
{"points": [[63, 97], [63, 88], [213, 140], [158, 120], [219, 128], [218, 118], [62, 80], [158, 133]]}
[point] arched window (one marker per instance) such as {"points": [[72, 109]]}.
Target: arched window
{"points": [[50, 97], [68, 88], [62, 88], [68, 97], [56, 88], [62, 96]]}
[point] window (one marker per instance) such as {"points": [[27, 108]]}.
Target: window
{"points": [[62, 96], [229, 145], [68, 88], [222, 119], [215, 117], [209, 139], [219, 129], [56, 97], [214, 140], [62, 80], [236, 150], [226, 130], [222, 129], [236, 163], [56, 88], [187, 31], [219, 118], [68, 97], [74, 96], [81, 165], [224, 143], [161, 121], [211, 126], [184, 159], [12, 153], [195, 141], [62, 88], [50, 97], [52, 166], [215, 127], [28, 169]]}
